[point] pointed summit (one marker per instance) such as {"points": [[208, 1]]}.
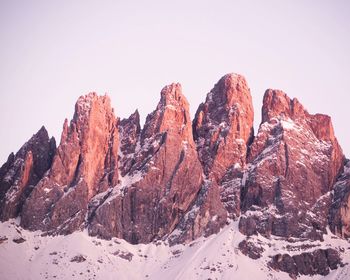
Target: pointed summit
{"points": [[23, 171], [172, 95], [163, 172], [276, 103], [223, 125], [88, 149], [171, 115]]}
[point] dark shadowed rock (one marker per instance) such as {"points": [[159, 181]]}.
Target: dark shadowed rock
{"points": [[248, 248], [206, 216], [22, 172], [129, 131], [176, 180], [311, 263], [339, 213]]}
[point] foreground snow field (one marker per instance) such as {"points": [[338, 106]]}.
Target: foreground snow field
{"points": [[28, 255]]}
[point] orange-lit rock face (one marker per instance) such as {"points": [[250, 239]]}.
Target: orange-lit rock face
{"points": [[180, 180], [98, 134], [293, 161], [223, 126], [22, 172], [164, 176], [85, 164]]}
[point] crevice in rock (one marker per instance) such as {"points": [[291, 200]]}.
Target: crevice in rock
{"points": [[286, 154], [177, 166], [76, 173]]}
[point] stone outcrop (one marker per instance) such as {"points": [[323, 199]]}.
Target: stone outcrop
{"points": [[293, 163], [310, 263], [178, 180], [339, 214], [23, 171], [85, 163], [162, 181], [223, 126], [129, 131], [223, 130]]}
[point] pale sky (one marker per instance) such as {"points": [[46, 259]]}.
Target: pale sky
{"points": [[52, 52]]}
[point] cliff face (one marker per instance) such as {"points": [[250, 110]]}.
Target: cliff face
{"points": [[294, 162], [223, 126], [178, 180], [22, 172], [85, 163], [162, 179]]}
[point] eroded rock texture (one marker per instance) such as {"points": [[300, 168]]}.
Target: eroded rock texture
{"points": [[22, 172], [178, 180], [310, 263], [293, 163], [85, 163], [223, 126], [339, 214], [163, 178]]}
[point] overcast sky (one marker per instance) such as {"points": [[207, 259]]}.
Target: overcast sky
{"points": [[52, 52]]}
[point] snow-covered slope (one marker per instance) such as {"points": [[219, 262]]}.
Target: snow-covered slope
{"points": [[29, 255]]}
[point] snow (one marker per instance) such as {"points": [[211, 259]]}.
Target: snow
{"points": [[47, 190], [171, 107], [185, 145], [237, 165], [215, 257], [118, 190], [245, 177], [287, 124]]}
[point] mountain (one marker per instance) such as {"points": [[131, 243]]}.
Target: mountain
{"points": [[281, 196]]}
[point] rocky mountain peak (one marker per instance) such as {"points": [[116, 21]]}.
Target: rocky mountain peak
{"points": [[23, 171], [294, 162], [171, 115], [175, 180], [230, 89], [161, 174], [85, 163], [172, 95], [223, 125], [86, 103], [90, 133], [276, 103]]}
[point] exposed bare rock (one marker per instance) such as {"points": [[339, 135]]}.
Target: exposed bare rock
{"points": [[250, 249], [19, 240], [129, 131], [293, 164], [176, 180], [85, 164], [22, 172], [339, 215], [207, 216], [223, 129], [230, 191], [223, 126], [311, 263], [78, 259], [163, 181]]}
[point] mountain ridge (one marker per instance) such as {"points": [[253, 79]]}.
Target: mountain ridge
{"points": [[175, 179]]}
